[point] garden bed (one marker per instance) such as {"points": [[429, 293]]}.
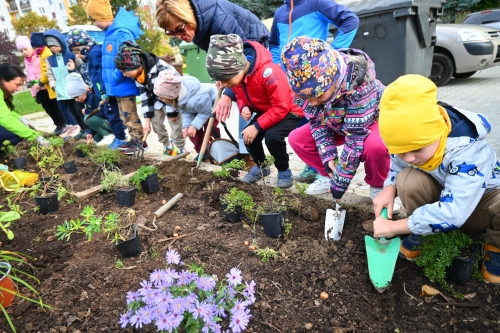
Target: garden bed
{"points": [[79, 278]]}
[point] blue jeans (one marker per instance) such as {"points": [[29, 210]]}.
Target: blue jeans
{"points": [[8, 135], [112, 113], [70, 119]]}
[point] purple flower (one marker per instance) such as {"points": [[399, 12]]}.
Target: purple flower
{"points": [[238, 306], [200, 310], [165, 322], [173, 257], [249, 301], [125, 319], [234, 276], [163, 300], [191, 298], [132, 296], [146, 288], [146, 314], [178, 305], [239, 320], [249, 289], [205, 283], [220, 311], [170, 275], [208, 326], [136, 320], [157, 277], [184, 278]]}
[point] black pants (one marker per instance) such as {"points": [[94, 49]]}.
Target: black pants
{"points": [[76, 110], [51, 107], [275, 141]]}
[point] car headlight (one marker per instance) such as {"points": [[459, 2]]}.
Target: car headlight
{"points": [[472, 35]]}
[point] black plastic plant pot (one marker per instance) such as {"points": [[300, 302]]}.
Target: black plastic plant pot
{"points": [[233, 216], [234, 173], [461, 269], [47, 204], [80, 153], [150, 184], [70, 167], [272, 224], [131, 247], [19, 163], [126, 197]]}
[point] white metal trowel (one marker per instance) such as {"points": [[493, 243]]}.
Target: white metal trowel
{"points": [[334, 223]]}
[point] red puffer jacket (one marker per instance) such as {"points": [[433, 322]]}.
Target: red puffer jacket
{"points": [[265, 89]]}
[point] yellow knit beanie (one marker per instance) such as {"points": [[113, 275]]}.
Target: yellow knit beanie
{"points": [[100, 10], [410, 117]]}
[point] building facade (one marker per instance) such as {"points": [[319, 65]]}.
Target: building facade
{"points": [[10, 10]]}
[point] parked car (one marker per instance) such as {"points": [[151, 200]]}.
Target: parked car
{"points": [[463, 49], [490, 18]]}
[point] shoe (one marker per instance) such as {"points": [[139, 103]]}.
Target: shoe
{"points": [[116, 144], [374, 191], [491, 264], [135, 146], [255, 174], [106, 140], [285, 179], [80, 135], [307, 175], [408, 247], [132, 144], [75, 131], [172, 151], [60, 129], [320, 186], [67, 131]]}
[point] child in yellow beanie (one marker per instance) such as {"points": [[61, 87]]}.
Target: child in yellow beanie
{"points": [[442, 168]]}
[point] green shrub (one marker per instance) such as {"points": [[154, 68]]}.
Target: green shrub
{"points": [[141, 174], [113, 179], [238, 198], [102, 156]]}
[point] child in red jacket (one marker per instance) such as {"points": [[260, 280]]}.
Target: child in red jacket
{"points": [[263, 96]]}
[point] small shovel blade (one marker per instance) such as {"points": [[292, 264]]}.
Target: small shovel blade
{"points": [[334, 224], [382, 255]]}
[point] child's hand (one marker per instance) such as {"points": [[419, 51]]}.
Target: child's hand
{"points": [[146, 127], [249, 134], [89, 138], [184, 132], [382, 228], [191, 131], [71, 65], [385, 199], [246, 113]]}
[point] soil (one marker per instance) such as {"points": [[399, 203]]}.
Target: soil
{"points": [[87, 293]]}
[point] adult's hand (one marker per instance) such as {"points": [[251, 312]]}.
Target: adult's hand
{"points": [[223, 108]]}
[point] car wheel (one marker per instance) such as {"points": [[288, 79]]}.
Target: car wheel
{"points": [[442, 69], [463, 75]]}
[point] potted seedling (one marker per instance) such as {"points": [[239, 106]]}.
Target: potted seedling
{"points": [[115, 180], [106, 158], [46, 197], [82, 149], [235, 203], [70, 167], [231, 168], [146, 177], [120, 227], [449, 255], [18, 161], [48, 157], [6, 219]]}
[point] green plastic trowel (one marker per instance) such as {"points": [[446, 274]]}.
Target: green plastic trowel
{"points": [[382, 255]]}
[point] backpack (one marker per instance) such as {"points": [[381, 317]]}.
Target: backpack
{"points": [[221, 151]]}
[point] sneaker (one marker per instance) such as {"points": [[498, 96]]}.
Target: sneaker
{"points": [[172, 151], [116, 143], [374, 191], [255, 174], [60, 129], [491, 264], [320, 186], [135, 146], [307, 175], [75, 131], [68, 129], [407, 248], [106, 140], [285, 179], [80, 135]]}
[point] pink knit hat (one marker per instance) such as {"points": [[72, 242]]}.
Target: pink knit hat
{"points": [[167, 85], [22, 42]]}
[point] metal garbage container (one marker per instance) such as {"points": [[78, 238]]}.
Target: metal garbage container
{"points": [[398, 35], [195, 61]]}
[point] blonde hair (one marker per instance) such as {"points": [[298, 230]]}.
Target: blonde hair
{"points": [[168, 11]]}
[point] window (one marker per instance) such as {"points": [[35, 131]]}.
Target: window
{"points": [[42, 11], [50, 2], [2, 19], [6, 31], [54, 15], [61, 5]]}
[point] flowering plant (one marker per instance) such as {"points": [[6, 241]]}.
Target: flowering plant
{"points": [[190, 299]]}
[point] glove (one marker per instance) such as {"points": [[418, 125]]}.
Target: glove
{"points": [[42, 141], [24, 121]]}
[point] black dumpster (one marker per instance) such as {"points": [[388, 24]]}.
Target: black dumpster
{"points": [[398, 35]]}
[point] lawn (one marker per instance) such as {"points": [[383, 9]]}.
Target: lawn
{"points": [[25, 104]]}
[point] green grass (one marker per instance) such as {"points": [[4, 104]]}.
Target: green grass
{"points": [[25, 103]]}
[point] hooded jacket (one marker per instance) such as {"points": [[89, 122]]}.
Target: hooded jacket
{"points": [[33, 70], [469, 169], [350, 113], [44, 79], [57, 69], [152, 66], [223, 17], [312, 18], [125, 27], [195, 101], [10, 121], [95, 69], [265, 89]]}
